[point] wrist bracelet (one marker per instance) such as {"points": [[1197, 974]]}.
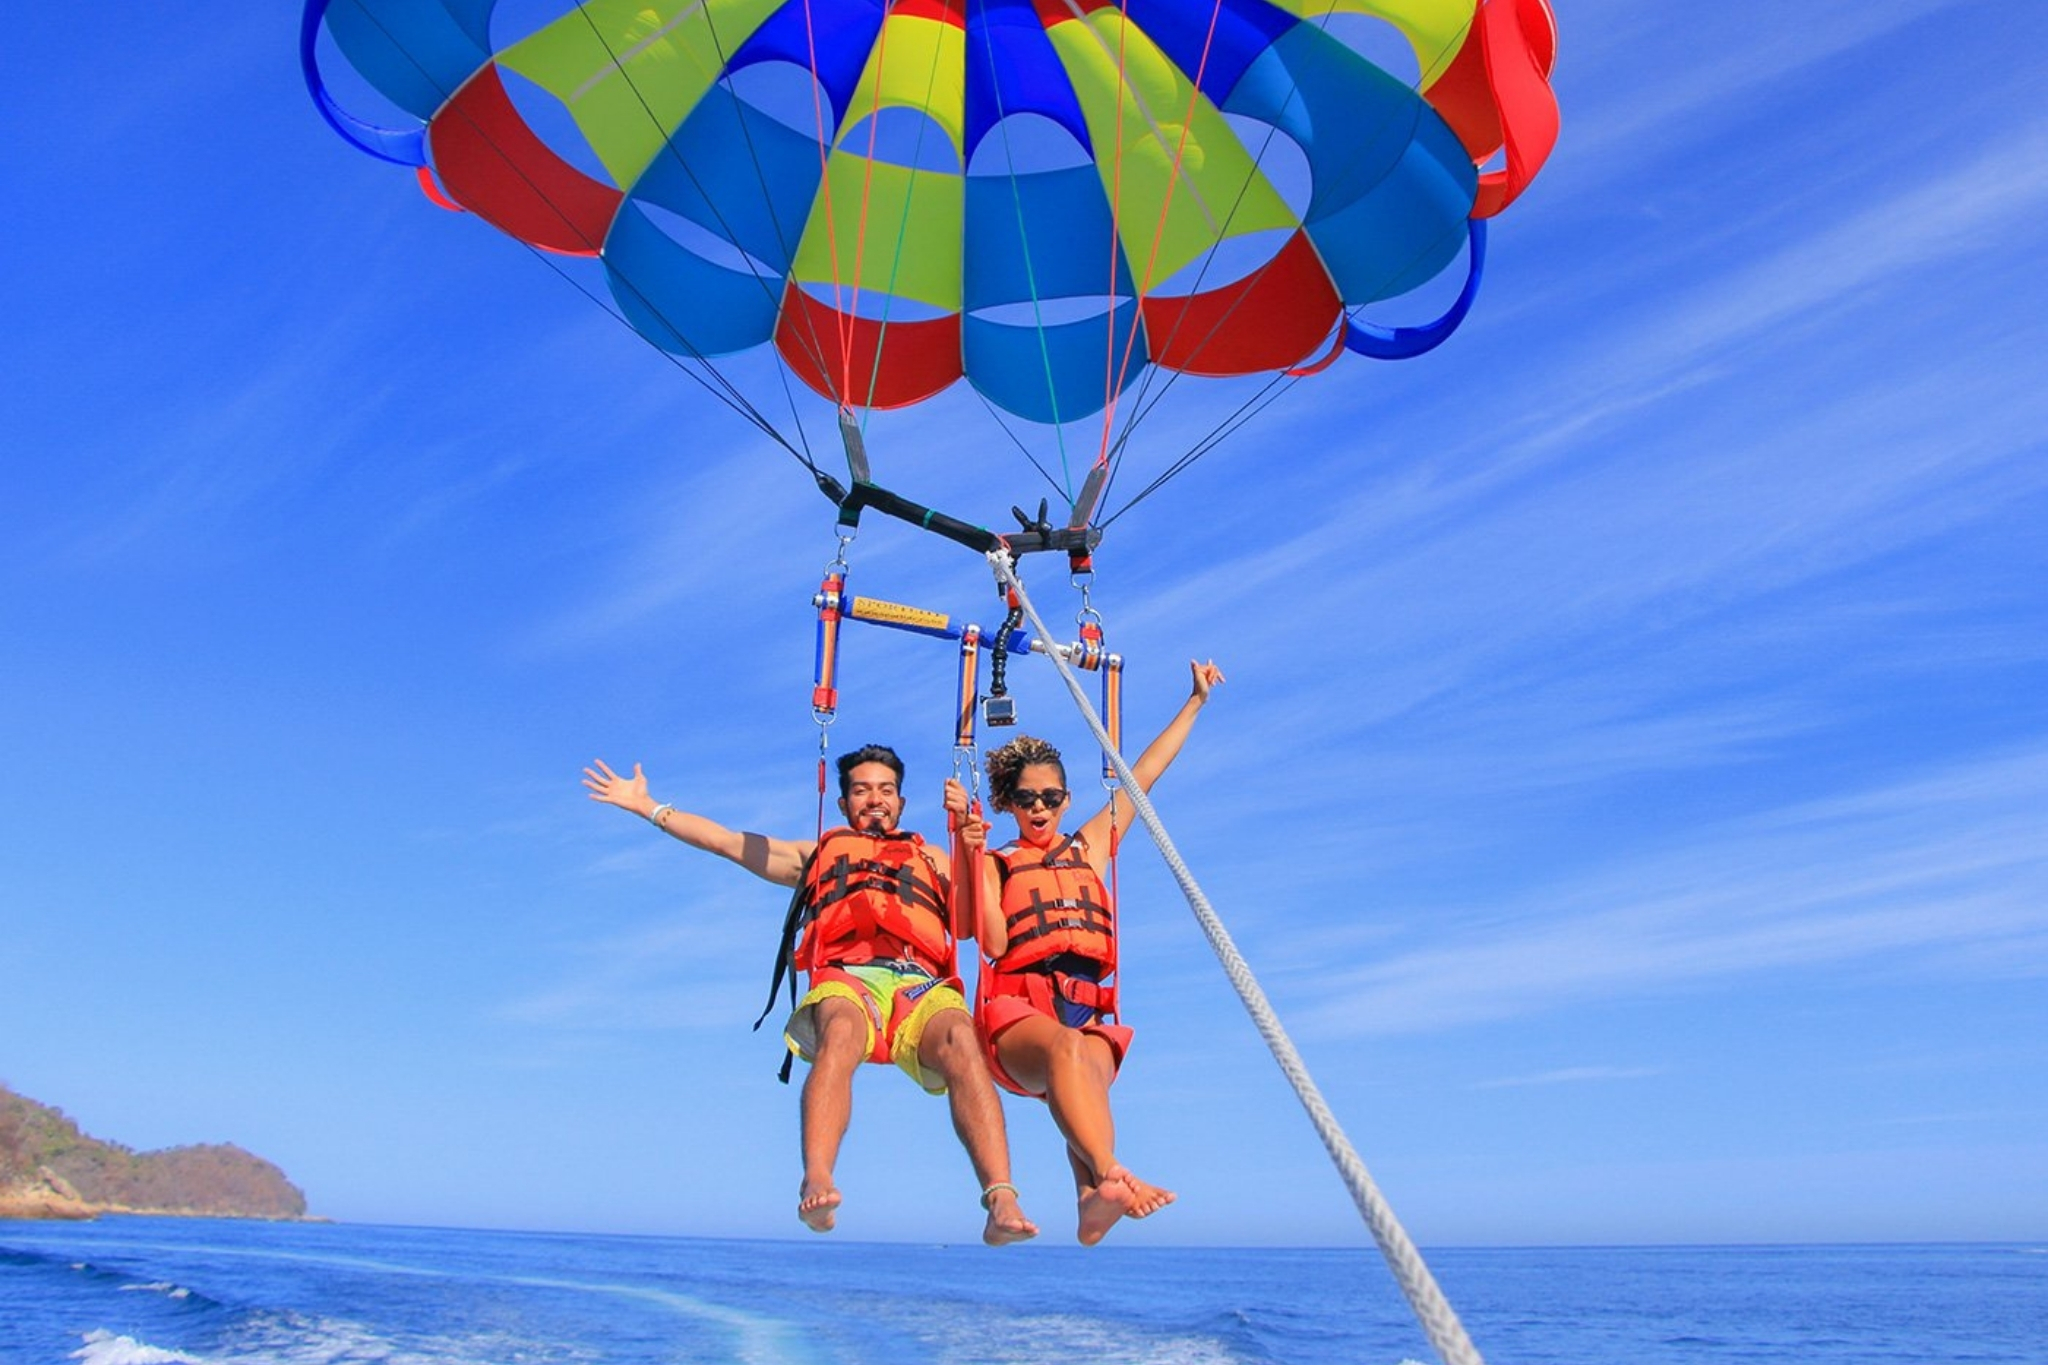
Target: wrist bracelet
{"points": [[654, 816]]}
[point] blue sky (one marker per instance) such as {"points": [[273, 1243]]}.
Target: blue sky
{"points": [[1630, 785]]}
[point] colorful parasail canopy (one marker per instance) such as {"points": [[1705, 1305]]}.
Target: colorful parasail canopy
{"points": [[1046, 197]]}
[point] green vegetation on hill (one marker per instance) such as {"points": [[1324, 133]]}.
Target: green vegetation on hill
{"points": [[48, 1165]]}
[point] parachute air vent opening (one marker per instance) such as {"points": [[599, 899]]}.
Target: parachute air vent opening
{"points": [[547, 118], [1407, 299], [871, 305], [512, 21], [783, 91], [708, 244], [1385, 46], [1279, 158], [369, 87], [1026, 144], [1233, 260], [395, 65], [898, 136], [1033, 313]]}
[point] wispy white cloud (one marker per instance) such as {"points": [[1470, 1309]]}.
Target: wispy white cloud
{"points": [[689, 531], [1710, 69], [1572, 1075], [1971, 209], [184, 482], [699, 968], [1946, 874], [1950, 1120]]}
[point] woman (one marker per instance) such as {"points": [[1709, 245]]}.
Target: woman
{"points": [[1046, 1005]]}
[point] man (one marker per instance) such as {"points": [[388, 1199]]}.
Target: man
{"points": [[877, 947]]}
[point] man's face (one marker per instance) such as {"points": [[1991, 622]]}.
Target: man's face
{"points": [[872, 801]]}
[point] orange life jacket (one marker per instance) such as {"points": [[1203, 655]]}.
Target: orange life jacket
{"points": [[874, 896], [1054, 904], [1062, 933]]}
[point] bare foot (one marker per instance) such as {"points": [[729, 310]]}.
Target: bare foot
{"points": [[819, 1206], [1006, 1220], [1101, 1206], [1119, 1195], [1150, 1198]]}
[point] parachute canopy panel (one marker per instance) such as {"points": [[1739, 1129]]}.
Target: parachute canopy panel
{"points": [[1044, 197]]}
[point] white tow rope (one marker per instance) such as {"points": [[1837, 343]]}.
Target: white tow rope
{"points": [[1439, 1322]]}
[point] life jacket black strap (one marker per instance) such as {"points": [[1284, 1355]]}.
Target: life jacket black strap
{"points": [[1044, 916], [849, 877], [1068, 853], [793, 921]]}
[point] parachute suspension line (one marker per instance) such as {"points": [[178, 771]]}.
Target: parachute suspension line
{"points": [[1439, 1322], [1268, 394], [1146, 401], [1178, 167], [860, 238], [1003, 425], [668, 150], [824, 139], [1143, 404], [1111, 390], [804, 331], [850, 314], [710, 380], [931, 81], [1065, 483], [808, 341], [1120, 370]]}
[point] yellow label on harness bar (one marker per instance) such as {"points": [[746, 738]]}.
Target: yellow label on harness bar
{"points": [[896, 614]]}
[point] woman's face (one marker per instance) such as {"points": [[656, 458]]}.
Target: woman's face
{"points": [[1038, 813]]}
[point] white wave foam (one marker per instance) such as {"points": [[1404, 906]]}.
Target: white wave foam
{"points": [[296, 1339], [759, 1340], [104, 1348], [163, 1287], [1026, 1338]]}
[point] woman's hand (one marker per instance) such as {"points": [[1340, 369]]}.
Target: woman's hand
{"points": [[960, 815], [957, 800]]}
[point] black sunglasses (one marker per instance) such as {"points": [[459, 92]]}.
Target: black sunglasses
{"points": [[1052, 798]]}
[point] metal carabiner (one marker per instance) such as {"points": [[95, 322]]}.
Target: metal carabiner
{"points": [[839, 557]]}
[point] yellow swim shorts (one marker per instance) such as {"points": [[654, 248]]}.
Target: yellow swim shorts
{"points": [[897, 999]]}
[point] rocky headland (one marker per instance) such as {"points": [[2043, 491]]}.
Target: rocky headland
{"points": [[49, 1169]]}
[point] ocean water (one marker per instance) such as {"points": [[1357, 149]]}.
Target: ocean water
{"points": [[149, 1291]]}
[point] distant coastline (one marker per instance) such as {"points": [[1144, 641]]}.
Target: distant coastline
{"points": [[50, 1169]]}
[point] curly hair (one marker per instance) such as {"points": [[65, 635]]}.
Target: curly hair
{"points": [[1007, 764]]}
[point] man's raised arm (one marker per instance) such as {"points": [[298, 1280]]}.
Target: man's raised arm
{"points": [[776, 860]]}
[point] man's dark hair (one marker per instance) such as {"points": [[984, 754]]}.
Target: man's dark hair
{"points": [[867, 753]]}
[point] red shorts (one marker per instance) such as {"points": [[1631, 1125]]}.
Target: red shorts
{"points": [[1010, 997]]}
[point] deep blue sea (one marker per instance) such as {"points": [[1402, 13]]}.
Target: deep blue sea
{"points": [[145, 1291]]}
